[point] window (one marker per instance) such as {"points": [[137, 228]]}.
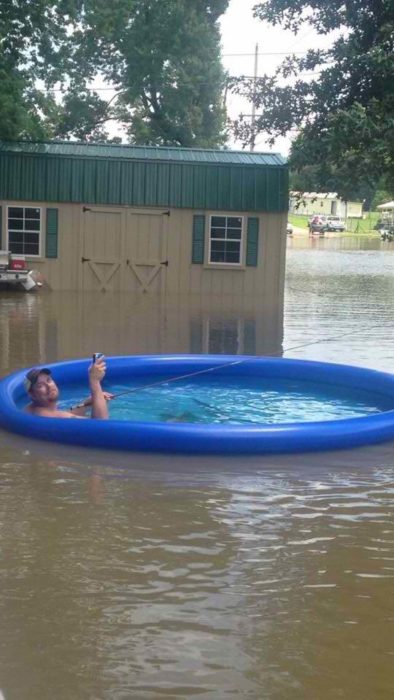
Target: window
{"points": [[225, 240], [24, 227], [216, 335]]}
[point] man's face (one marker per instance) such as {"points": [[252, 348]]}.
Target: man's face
{"points": [[44, 390]]}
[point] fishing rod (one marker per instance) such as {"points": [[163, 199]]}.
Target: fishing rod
{"points": [[224, 365], [177, 378], [166, 381]]}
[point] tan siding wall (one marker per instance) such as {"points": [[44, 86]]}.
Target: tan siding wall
{"points": [[157, 237], [60, 273]]}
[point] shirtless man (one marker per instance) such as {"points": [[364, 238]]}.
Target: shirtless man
{"points": [[44, 394]]}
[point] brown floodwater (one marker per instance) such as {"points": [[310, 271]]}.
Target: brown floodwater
{"points": [[153, 576]]}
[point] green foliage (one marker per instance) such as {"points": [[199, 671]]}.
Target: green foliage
{"points": [[381, 197], [343, 109], [83, 115], [35, 45], [162, 57], [303, 180]]}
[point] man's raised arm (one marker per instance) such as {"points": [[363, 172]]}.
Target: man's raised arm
{"points": [[96, 375]]}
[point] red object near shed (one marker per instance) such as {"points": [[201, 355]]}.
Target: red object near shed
{"points": [[17, 262]]}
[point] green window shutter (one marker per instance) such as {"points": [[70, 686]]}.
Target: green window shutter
{"points": [[51, 233], [196, 336], [250, 337], [198, 239], [1, 228], [252, 241]]}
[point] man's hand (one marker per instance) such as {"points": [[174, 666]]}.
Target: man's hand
{"points": [[96, 375], [97, 370]]}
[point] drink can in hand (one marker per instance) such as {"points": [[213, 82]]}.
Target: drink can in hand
{"points": [[97, 356]]}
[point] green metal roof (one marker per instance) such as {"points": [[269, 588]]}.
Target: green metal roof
{"points": [[156, 153], [143, 176]]}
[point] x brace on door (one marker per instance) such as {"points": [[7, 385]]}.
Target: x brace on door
{"points": [[103, 275], [145, 280]]}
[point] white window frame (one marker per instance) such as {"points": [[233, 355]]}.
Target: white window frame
{"points": [[40, 232], [241, 240]]}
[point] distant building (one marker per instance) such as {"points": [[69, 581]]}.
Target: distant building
{"points": [[326, 203], [106, 217]]}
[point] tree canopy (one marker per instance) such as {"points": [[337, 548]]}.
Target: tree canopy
{"points": [[339, 101], [161, 57], [164, 59], [33, 38]]}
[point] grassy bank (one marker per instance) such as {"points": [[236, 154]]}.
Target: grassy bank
{"points": [[298, 220], [358, 227], [367, 225]]}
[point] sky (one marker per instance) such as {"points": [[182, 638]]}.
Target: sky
{"points": [[240, 33]]}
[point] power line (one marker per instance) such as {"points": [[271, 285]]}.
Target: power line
{"points": [[267, 53], [305, 74]]}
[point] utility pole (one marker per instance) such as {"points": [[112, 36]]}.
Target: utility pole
{"points": [[253, 122]]}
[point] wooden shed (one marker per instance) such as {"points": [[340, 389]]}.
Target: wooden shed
{"points": [[112, 217]]}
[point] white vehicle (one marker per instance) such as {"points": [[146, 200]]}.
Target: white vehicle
{"points": [[335, 223]]}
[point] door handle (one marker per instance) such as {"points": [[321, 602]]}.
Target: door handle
{"points": [[85, 260], [165, 262]]}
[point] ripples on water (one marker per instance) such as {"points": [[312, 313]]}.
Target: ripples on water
{"points": [[343, 296], [117, 583], [231, 401], [147, 577]]}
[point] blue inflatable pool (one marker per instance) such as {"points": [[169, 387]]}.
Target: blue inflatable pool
{"points": [[209, 438]]}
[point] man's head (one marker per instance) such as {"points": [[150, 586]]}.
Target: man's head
{"points": [[40, 386]]}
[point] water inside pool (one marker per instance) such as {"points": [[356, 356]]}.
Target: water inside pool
{"points": [[235, 401]]}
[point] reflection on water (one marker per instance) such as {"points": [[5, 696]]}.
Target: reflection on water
{"points": [[46, 327], [118, 586], [138, 576]]}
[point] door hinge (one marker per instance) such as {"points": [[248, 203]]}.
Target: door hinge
{"points": [[165, 262], [86, 209], [85, 259]]}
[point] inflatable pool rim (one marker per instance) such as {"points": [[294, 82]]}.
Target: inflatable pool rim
{"points": [[206, 438]]}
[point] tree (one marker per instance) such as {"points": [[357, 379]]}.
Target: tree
{"points": [[34, 46], [162, 57], [340, 100], [381, 196]]}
